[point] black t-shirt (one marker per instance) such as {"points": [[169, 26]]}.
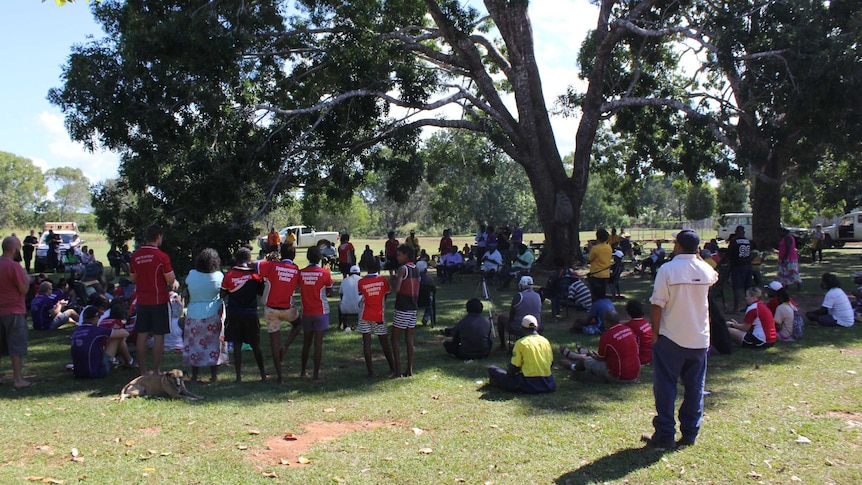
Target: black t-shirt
{"points": [[739, 251]]}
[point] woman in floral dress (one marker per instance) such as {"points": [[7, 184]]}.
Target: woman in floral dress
{"points": [[788, 261], [203, 337]]}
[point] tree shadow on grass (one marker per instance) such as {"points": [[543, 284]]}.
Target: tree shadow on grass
{"points": [[611, 467]]}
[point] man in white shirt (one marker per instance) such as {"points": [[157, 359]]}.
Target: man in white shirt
{"points": [[492, 261], [680, 326]]}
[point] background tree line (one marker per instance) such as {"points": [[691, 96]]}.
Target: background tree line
{"points": [[226, 111]]}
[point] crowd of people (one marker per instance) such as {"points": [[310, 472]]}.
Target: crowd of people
{"points": [[128, 324]]}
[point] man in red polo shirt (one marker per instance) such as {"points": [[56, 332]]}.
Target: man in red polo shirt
{"points": [[617, 359], [150, 269]]}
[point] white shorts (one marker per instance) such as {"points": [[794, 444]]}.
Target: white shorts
{"points": [[274, 316], [404, 319], [377, 328]]}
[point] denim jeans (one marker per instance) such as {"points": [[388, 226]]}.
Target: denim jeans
{"points": [[672, 363]]}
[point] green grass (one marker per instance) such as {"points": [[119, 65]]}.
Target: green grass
{"points": [[586, 432]]}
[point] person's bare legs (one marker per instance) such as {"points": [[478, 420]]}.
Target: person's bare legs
{"points": [[736, 335], [294, 332], [307, 338], [158, 352], [318, 355], [366, 352], [396, 352], [141, 351], [275, 345], [237, 360], [258, 358], [17, 374], [409, 339], [387, 352]]}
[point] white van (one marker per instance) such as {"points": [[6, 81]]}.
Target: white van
{"points": [[727, 224]]}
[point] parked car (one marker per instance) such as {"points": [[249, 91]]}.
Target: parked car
{"points": [[847, 228], [66, 230], [727, 224], [305, 237]]}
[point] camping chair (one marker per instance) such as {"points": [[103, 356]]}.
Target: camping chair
{"points": [[428, 299]]}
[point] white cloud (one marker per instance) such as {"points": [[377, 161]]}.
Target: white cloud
{"points": [[97, 166]]}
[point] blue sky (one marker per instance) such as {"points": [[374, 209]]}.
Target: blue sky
{"points": [[36, 39]]}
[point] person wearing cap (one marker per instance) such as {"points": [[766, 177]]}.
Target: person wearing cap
{"points": [[348, 307], [771, 291], [413, 242], [529, 370], [616, 360], [739, 253], [525, 302], [281, 278], [471, 336], [522, 264], [680, 324], [94, 348]]}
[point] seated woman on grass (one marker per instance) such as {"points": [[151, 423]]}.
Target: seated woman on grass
{"points": [[758, 328], [836, 309]]}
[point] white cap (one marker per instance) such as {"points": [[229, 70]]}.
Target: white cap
{"points": [[354, 269], [775, 286], [422, 266], [529, 321], [525, 282]]}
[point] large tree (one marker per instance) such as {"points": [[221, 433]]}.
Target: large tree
{"points": [[72, 194], [22, 190]]}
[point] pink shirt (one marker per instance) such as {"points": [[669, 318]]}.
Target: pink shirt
{"points": [[787, 251], [313, 282], [12, 276]]}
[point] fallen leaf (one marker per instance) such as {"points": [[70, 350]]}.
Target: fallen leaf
{"points": [[130, 443], [303, 460], [147, 470], [290, 437], [418, 431], [78, 459], [33, 478], [43, 448], [435, 397], [338, 479], [253, 431], [460, 480], [426, 451], [329, 410], [388, 458], [284, 461], [424, 411], [802, 439], [153, 452], [852, 372], [754, 474], [165, 453], [242, 447], [270, 475], [794, 478], [145, 457], [52, 480], [75, 452]]}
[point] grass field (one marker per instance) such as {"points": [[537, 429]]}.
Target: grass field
{"points": [[445, 425]]}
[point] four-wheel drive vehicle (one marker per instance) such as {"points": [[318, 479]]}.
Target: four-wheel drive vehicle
{"points": [[847, 228], [727, 225], [66, 230], [305, 237]]}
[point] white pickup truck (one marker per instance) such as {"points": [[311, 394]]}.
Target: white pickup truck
{"points": [[66, 230], [305, 237], [847, 228]]}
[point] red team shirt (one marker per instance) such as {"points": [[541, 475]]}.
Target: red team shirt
{"points": [[373, 289], [149, 265], [620, 349], [313, 282], [643, 334], [761, 314], [282, 278], [344, 252]]}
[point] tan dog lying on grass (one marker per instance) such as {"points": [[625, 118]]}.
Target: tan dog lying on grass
{"points": [[169, 384]]}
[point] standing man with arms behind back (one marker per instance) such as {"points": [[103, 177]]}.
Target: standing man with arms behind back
{"points": [[13, 323], [680, 328], [154, 278]]}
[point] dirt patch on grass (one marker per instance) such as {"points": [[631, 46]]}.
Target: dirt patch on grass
{"points": [[288, 452]]}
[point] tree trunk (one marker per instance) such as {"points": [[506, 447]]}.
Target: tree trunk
{"points": [[766, 206]]}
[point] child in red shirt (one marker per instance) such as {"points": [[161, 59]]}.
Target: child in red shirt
{"points": [[373, 289]]}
